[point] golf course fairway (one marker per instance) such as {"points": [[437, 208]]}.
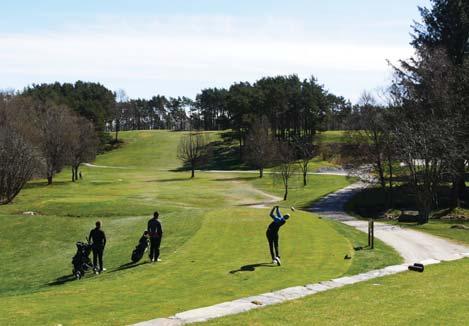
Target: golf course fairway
{"points": [[214, 247]]}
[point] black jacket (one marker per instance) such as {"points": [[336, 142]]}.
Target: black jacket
{"points": [[98, 238], [154, 228]]}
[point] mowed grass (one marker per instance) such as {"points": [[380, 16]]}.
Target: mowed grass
{"points": [[208, 234], [438, 296]]}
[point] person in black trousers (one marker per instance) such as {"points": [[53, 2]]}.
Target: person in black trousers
{"points": [[272, 233], [97, 239], [156, 234]]}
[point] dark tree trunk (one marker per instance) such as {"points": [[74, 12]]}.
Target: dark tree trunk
{"points": [[459, 187], [390, 190], [261, 172], [382, 180], [192, 171], [286, 193], [305, 176], [49, 180]]}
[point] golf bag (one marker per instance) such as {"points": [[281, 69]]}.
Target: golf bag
{"points": [[81, 261], [139, 250]]}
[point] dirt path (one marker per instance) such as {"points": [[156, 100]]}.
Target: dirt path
{"points": [[104, 166], [412, 245], [265, 203]]}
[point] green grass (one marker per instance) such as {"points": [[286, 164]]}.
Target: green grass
{"points": [[438, 296], [331, 136], [208, 233]]}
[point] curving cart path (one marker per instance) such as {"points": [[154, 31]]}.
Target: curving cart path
{"points": [[412, 245]]}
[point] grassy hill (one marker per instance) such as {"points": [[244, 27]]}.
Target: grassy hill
{"points": [[209, 232]]}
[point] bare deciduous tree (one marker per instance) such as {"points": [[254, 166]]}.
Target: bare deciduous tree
{"points": [[19, 159], [56, 126], [307, 151], [18, 162], [286, 167], [260, 145], [425, 126], [84, 145], [193, 149]]}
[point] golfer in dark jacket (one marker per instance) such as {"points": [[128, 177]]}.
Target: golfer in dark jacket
{"points": [[272, 232], [156, 234], [98, 242]]}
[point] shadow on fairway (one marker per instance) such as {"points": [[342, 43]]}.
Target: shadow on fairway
{"points": [[62, 280], [251, 268], [41, 184], [128, 266]]}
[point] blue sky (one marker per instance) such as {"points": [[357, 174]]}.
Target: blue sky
{"points": [[179, 47]]}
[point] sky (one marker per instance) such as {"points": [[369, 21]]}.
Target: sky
{"points": [[178, 47]]}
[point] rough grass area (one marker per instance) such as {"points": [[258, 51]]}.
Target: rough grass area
{"points": [[214, 248], [437, 296]]}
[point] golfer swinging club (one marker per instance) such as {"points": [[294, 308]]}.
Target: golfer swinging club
{"points": [[272, 232]]}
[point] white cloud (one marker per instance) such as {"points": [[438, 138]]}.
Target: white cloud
{"points": [[207, 51]]}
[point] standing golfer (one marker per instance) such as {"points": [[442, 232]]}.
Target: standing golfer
{"points": [[98, 242], [156, 233], [272, 233]]}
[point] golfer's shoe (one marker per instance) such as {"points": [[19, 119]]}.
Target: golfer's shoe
{"points": [[277, 259], [274, 261], [159, 259]]}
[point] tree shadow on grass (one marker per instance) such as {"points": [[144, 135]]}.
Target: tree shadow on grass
{"points": [[222, 155], [251, 267], [43, 184]]}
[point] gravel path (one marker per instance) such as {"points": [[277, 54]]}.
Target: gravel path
{"points": [[412, 245]]}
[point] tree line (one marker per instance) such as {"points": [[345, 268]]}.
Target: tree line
{"points": [[293, 106], [38, 139]]}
